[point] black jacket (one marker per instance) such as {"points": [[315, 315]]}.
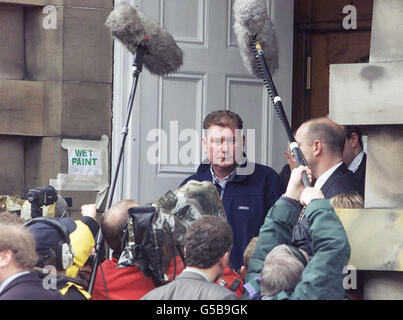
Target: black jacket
{"points": [[341, 181], [29, 287]]}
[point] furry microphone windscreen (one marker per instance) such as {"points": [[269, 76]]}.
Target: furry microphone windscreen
{"points": [[252, 21], [130, 26]]}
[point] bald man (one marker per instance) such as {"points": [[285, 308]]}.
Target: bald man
{"points": [[322, 142]]}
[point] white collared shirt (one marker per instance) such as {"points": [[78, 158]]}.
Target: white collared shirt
{"points": [[356, 162], [323, 178], [11, 278]]}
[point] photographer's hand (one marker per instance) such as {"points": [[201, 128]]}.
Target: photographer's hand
{"points": [[89, 210], [295, 186]]}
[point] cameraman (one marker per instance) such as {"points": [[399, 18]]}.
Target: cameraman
{"points": [[81, 237], [281, 278]]}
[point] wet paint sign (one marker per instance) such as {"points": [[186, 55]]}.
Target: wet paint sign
{"points": [[84, 162]]}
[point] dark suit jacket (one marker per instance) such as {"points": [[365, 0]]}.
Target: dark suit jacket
{"points": [[190, 286], [28, 287], [359, 174], [341, 181]]}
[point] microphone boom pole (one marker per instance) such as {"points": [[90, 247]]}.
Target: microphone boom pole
{"points": [[137, 68], [278, 105]]}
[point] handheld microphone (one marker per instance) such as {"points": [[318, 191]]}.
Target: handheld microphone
{"points": [[130, 26]]}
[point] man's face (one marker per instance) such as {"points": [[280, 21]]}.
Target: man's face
{"points": [[223, 145], [348, 152]]}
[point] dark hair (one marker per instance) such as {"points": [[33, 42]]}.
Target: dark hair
{"points": [[348, 130], [329, 133], [223, 118], [206, 241], [113, 223]]}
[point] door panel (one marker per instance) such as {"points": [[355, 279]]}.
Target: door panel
{"points": [[169, 110]]}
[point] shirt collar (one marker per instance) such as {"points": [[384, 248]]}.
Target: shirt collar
{"points": [[227, 179], [323, 178], [11, 278], [356, 162], [199, 272]]}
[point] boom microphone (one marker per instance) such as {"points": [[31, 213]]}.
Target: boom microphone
{"points": [[259, 51], [252, 23], [132, 27]]}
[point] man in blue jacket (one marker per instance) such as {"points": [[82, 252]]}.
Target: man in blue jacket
{"points": [[247, 189]]}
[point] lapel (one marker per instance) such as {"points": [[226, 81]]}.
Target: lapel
{"points": [[335, 175]]}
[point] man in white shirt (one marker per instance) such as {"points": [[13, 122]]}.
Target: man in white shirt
{"points": [[17, 258], [322, 142], [354, 156]]}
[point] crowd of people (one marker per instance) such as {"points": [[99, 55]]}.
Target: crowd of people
{"points": [[278, 240]]}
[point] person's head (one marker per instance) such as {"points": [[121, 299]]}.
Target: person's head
{"points": [[208, 242], [281, 270], [223, 142], [321, 141], [114, 222], [248, 254], [347, 201], [353, 143], [52, 239], [289, 156], [10, 218], [17, 250]]}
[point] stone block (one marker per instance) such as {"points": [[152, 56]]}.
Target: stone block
{"points": [[43, 47], [380, 285], [384, 174], [11, 43], [87, 51], [12, 165], [21, 107], [25, 2], [387, 27], [375, 237], [44, 159], [86, 110], [102, 4], [366, 94], [79, 49]]}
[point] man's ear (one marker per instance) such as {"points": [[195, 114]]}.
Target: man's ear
{"points": [[354, 140], [5, 258], [224, 260], [317, 147]]}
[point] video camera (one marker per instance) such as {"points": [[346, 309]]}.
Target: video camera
{"points": [[38, 197]]}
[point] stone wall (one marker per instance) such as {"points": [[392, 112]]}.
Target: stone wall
{"points": [[54, 84]]}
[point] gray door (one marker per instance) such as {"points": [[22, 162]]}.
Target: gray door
{"points": [[168, 113]]}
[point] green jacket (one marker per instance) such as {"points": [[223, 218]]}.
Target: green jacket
{"points": [[323, 276]]}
